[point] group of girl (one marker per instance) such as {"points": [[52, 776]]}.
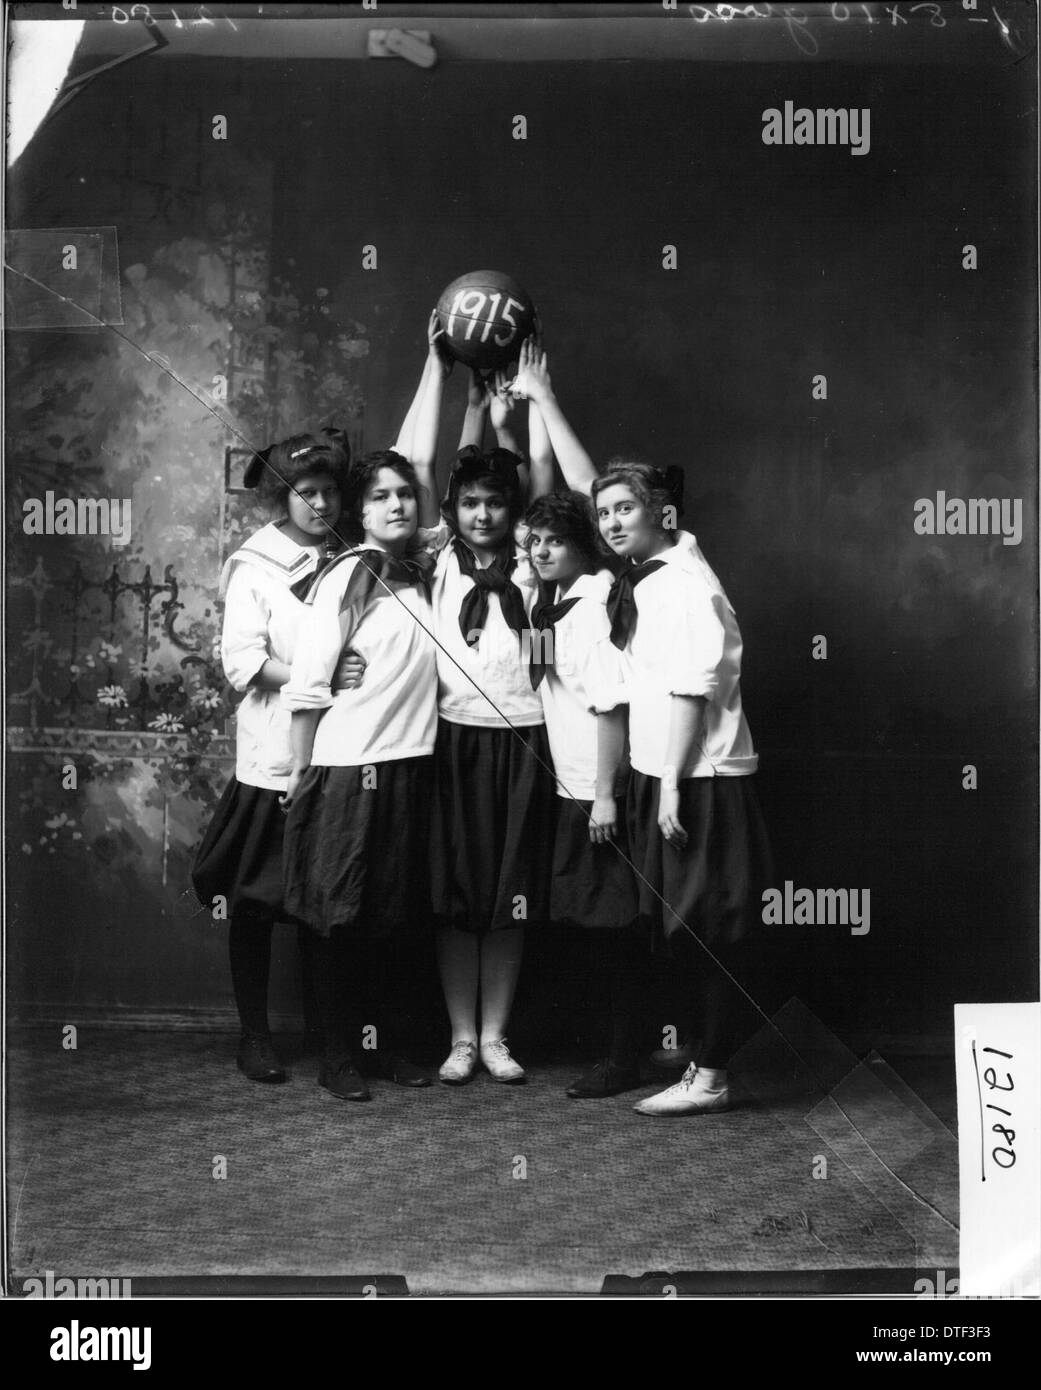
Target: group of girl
{"points": [[519, 706]]}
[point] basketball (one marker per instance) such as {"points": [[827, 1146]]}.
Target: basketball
{"points": [[486, 316]]}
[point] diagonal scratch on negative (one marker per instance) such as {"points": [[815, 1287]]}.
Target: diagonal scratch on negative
{"points": [[830, 1141], [158, 360], [917, 1196], [872, 1060], [858, 1178], [18, 1202]]}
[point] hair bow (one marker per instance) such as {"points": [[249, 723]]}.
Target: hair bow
{"points": [[254, 470], [501, 462]]}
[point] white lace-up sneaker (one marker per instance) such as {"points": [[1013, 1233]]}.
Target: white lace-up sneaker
{"points": [[460, 1063], [697, 1092], [496, 1057]]}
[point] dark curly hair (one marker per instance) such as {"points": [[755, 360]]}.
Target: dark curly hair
{"points": [[496, 468], [277, 470], [361, 478], [569, 516]]}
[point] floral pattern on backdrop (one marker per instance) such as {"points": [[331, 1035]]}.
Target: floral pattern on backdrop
{"points": [[119, 712]]}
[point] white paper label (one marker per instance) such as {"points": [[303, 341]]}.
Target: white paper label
{"points": [[999, 1129]]}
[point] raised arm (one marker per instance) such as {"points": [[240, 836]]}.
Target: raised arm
{"points": [[405, 441], [533, 382], [540, 454], [421, 448], [476, 413], [502, 408]]}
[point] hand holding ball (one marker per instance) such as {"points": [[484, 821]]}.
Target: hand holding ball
{"points": [[485, 316]]}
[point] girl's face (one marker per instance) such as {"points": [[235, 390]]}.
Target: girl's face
{"points": [[389, 511], [313, 506], [557, 559], [482, 515], [626, 524]]}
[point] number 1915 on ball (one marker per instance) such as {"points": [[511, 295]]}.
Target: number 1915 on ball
{"points": [[485, 316]]}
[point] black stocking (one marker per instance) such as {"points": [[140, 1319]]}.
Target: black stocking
{"points": [[249, 951]]}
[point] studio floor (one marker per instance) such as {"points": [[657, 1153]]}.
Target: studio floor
{"points": [[113, 1150]]}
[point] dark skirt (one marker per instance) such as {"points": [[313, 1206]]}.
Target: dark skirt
{"points": [[592, 885], [491, 835], [714, 886], [355, 848], [241, 853]]}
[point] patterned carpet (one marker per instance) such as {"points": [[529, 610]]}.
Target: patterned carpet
{"points": [[479, 1189]]}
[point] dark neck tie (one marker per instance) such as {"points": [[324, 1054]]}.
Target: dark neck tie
{"points": [[374, 570], [621, 604], [328, 552], [493, 579], [544, 618]]}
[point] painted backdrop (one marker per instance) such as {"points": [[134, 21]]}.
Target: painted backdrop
{"points": [[242, 260]]}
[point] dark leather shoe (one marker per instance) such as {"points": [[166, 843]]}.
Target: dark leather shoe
{"points": [[343, 1079], [604, 1078], [404, 1073], [257, 1060]]}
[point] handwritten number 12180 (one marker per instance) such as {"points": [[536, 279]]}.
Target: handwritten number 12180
{"points": [[1004, 1154]]}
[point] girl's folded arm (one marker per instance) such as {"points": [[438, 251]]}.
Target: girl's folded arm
{"points": [[244, 635], [320, 645]]}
